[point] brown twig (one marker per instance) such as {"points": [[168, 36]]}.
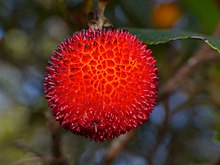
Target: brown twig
{"points": [[217, 162], [57, 156], [28, 161], [39, 158], [203, 55], [117, 146], [21, 144]]}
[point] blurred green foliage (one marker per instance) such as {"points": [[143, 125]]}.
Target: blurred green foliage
{"points": [[30, 30], [207, 13]]}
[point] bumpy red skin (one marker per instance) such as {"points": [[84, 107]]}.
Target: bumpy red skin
{"points": [[101, 83]]}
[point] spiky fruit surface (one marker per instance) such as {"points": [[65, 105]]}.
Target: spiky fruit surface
{"points": [[101, 83]]}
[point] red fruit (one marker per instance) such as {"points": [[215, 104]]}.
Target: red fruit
{"points": [[101, 83]]}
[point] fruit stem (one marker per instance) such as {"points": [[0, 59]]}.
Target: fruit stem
{"points": [[96, 129], [100, 20]]}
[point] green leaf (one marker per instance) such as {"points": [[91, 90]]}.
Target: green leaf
{"points": [[154, 37]]}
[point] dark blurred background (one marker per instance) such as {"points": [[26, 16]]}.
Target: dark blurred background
{"points": [[182, 134]]}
